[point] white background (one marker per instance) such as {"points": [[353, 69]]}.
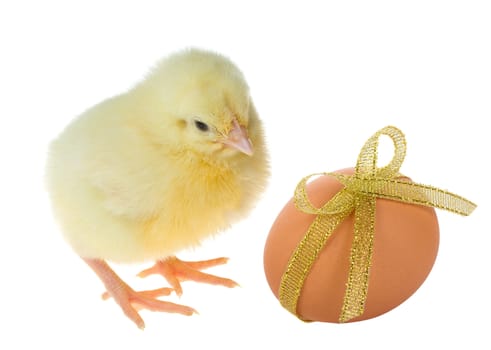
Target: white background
{"points": [[325, 76]]}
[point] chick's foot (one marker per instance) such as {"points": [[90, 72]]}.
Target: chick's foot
{"points": [[130, 300], [175, 271]]}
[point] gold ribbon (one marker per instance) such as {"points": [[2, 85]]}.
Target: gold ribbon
{"points": [[359, 195]]}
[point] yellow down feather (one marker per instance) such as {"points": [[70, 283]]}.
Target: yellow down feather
{"points": [[132, 178]]}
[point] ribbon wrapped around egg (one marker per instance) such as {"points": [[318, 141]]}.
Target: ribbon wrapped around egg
{"points": [[362, 201]]}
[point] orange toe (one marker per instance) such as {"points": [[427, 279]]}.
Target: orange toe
{"points": [[175, 271], [204, 264], [155, 293], [130, 300]]}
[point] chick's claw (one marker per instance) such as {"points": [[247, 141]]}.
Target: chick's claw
{"points": [[132, 301], [175, 271]]}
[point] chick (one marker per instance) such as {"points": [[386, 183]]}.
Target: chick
{"points": [[145, 174]]}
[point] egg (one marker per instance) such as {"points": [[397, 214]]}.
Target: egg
{"points": [[406, 238]]}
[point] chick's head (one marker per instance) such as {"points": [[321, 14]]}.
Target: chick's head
{"points": [[197, 101]]}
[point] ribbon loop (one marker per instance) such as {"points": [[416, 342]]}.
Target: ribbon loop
{"points": [[366, 165], [359, 195]]}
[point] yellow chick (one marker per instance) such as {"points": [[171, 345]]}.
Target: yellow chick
{"points": [[142, 175]]}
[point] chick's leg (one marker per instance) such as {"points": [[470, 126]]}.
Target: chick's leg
{"points": [[128, 299], [175, 271]]}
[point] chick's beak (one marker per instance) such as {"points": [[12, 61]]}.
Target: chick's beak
{"points": [[239, 139]]}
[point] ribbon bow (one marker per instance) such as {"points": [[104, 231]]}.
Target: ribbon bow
{"points": [[359, 195]]}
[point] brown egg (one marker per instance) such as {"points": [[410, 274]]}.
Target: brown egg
{"points": [[405, 247]]}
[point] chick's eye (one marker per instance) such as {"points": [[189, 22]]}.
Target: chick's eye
{"points": [[201, 126]]}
